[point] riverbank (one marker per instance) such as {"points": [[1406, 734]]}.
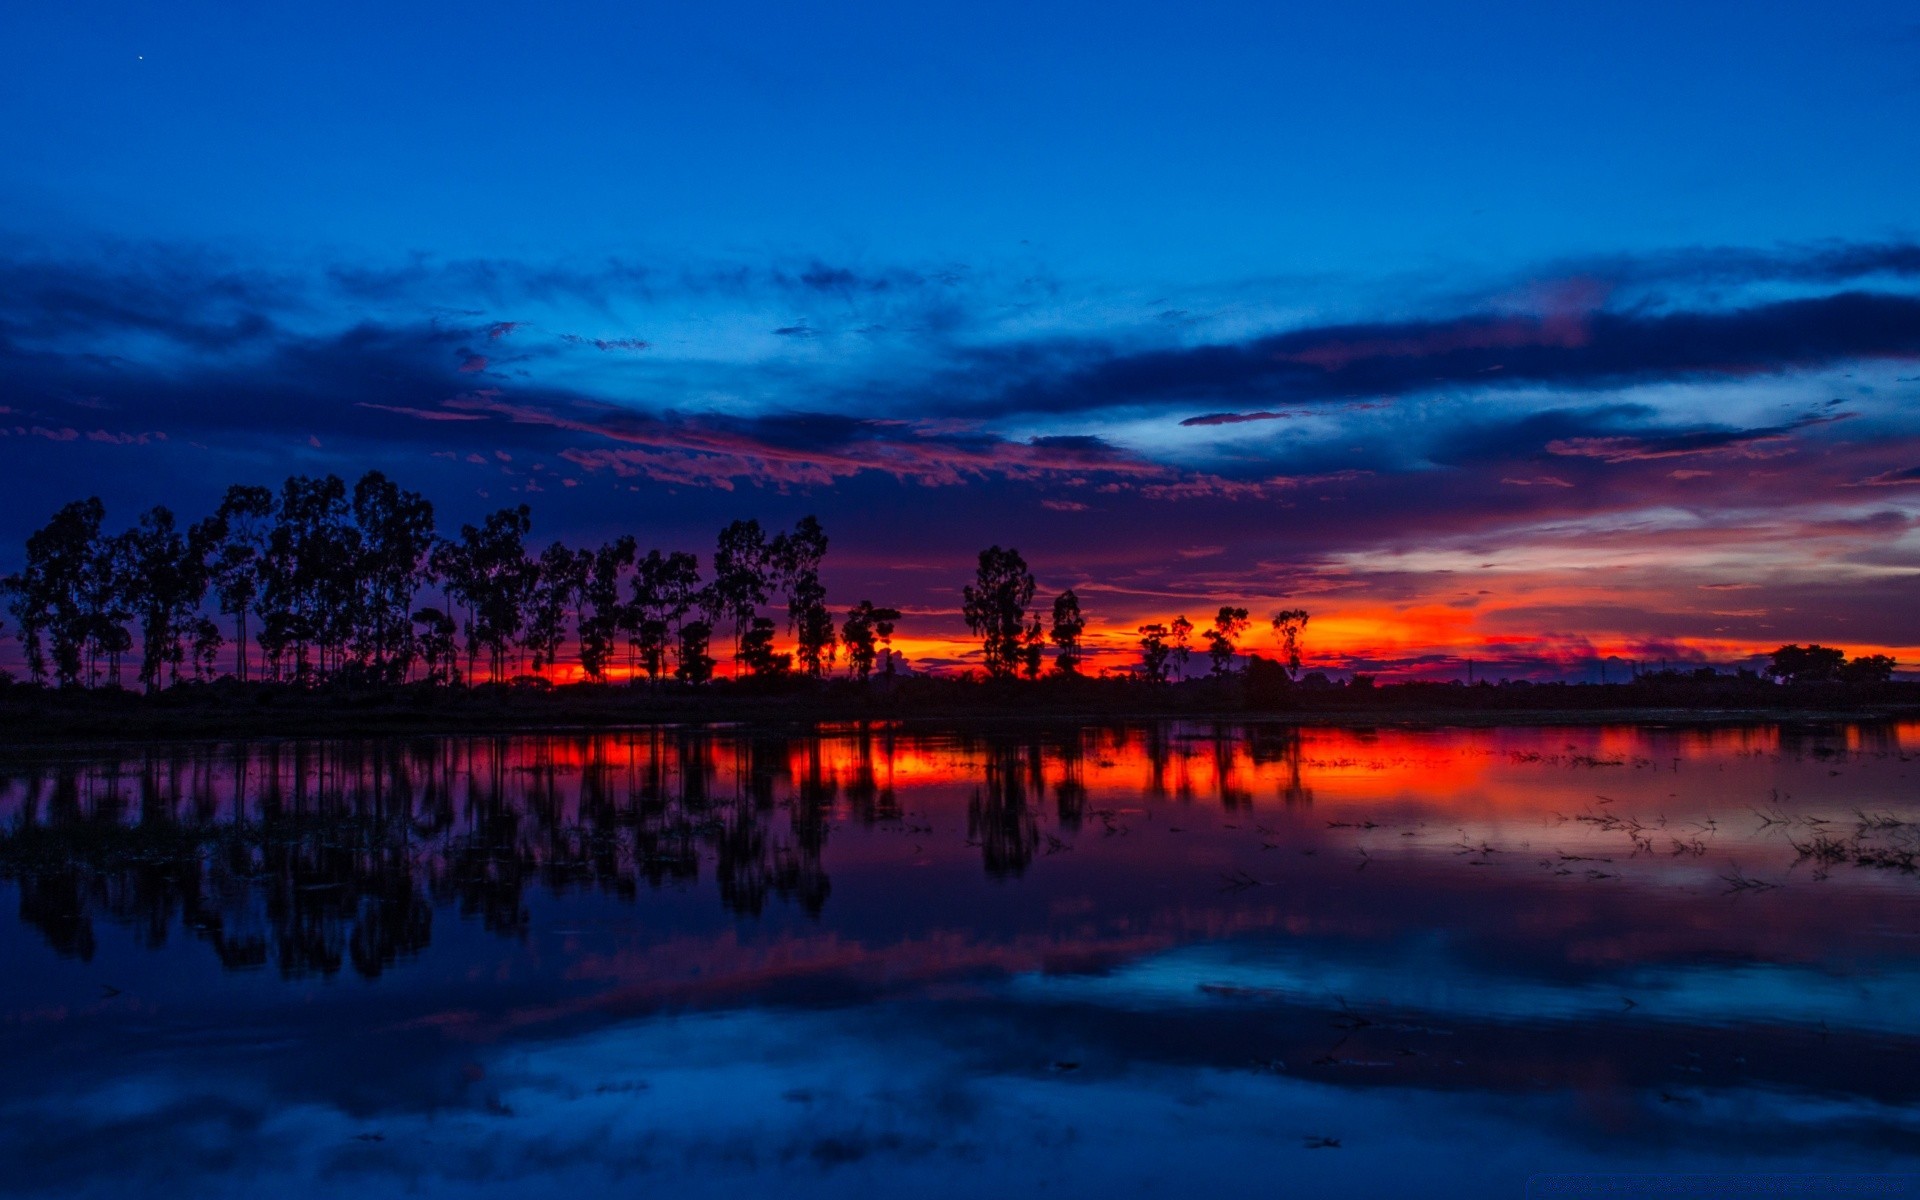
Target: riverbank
{"points": [[31, 717]]}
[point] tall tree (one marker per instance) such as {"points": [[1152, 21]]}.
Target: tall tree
{"points": [[396, 540], [665, 588], [694, 665], [167, 580], [559, 581], [1177, 635], [1154, 652], [600, 606], [51, 594], [995, 605], [1228, 624], [507, 579], [859, 633], [796, 559], [757, 653], [1288, 624], [309, 601], [742, 569], [242, 517], [1068, 626]]}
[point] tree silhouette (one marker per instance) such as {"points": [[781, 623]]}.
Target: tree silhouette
{"points": [[795, 559], [437, 645], [54, 596], [1068, 625], [665, 588], [695, 665], [1806, 664], [489, 569], [757, 653], [168, 579], [1288, 624], [1178, 634], [1228, 624], [559, 582], [396, 541], [236, 561], [1869, 668], [1153, 652], [995, 606], [741, 572], [308, 601], [600, 608], [859, 632]]}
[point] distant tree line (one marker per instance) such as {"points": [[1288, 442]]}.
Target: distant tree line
{"points": [[1014, 640], [319, 582]]}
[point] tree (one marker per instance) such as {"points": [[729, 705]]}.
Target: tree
{"points": [[437, 645], [1033, 647], [1068, 626], [309, 598], [741, 572], [488, 568], [1806, 664], [859, 631], [695, 665], [396, 541], [167, 578], [1871, 668], [600, 607], [235, 564], [995, 606], [559, 581], [1228, 624], [665, 588], [1154, 652], [1288, 624], [55, 597], [795, 558], [1177, 635], [757, 653]]}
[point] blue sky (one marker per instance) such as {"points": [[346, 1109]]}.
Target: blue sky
{"points": [[951, 277]]}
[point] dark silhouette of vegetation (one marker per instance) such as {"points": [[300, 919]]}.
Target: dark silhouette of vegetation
{"points": [[328, 588], [323, 585], [1222, 638], [995, 606], [1069, 623], [1824, 664]]}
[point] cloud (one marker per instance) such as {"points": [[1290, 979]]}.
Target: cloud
{"points": [[1236, 418], [1894, 478], [1600, 349], [605, 344], [1744, 443]]}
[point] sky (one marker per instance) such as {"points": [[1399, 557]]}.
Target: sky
{"points": [[1540, 335]]}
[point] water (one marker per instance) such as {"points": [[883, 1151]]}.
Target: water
{"points": [[1113, 961]]}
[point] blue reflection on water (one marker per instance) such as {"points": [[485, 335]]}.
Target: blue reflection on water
{"points": [[966, 986]]}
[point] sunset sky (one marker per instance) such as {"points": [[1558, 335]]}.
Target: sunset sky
{"points": [[1529, 333]]}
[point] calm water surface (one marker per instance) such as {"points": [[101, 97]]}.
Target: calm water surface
{"points": [[1111, 961]]}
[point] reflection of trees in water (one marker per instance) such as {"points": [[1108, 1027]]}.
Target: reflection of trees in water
{"points": [[998, 817], [317, 856]]}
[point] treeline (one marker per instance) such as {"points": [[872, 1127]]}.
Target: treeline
{"points": [[1014, 639], [319, 583]]}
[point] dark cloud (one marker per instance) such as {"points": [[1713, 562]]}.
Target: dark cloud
{"points": [[1401, 358], [605, 344]]}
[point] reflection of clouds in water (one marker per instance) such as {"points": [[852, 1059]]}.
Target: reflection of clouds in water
{"points": [[1416, 979], [809, 1104]]}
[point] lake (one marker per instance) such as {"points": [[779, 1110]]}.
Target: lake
{"points": [[1118, 960]]}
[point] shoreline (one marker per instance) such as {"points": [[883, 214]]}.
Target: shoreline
{"points": [[45, 721]]}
